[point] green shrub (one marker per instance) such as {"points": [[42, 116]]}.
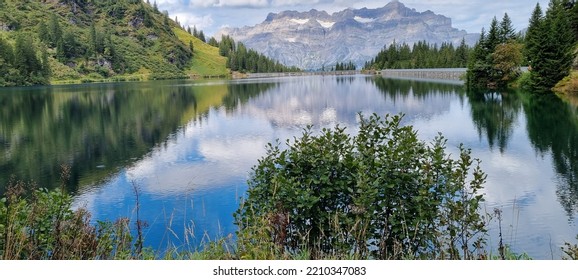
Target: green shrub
{"points": [[524, 81], [39, 224], [381, 194]]}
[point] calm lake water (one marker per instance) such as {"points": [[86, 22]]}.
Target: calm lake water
{"points": [[188, 146]]}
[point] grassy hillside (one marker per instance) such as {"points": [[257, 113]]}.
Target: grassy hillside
{"points": [[206, 59], [84, 41]]}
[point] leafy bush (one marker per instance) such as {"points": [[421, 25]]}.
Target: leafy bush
{"points": [[524, 81], [380, 194]]}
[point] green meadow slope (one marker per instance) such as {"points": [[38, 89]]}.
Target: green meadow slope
{"points": [[61, 41]]}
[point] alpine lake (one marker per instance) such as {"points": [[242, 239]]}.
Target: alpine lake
{"points": [[187, 147]]}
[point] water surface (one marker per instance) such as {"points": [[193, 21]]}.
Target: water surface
{"points": [[187, 147]]}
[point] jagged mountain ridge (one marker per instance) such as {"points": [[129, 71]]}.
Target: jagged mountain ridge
{"points": [[316, 39]]}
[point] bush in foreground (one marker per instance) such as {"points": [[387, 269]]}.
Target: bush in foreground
{"points": [[381, 194], [37, 224]]}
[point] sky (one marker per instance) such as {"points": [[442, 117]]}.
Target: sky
{"points": [[212, 15]]}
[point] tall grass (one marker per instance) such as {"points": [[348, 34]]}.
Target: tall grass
{"points": [[38, 224]]}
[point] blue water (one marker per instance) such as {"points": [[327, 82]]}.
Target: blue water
{"points": [[190, 181]]}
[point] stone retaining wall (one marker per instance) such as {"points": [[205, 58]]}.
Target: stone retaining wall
{"points": [[439, 73]]}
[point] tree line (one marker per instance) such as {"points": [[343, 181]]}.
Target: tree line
{"points": [[421, 55], [242, 59], [342, 66]]}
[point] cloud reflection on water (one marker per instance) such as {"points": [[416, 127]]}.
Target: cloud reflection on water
{"points": [[205, 166]]}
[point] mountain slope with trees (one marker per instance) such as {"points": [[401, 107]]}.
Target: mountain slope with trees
{"points": [[44, 41]]}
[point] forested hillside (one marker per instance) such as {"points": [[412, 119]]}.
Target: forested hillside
{"points": [[44, 41], [421, 55]]}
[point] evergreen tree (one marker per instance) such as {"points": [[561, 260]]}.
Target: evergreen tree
{"points": [[26, 61], [226, 45], [549, 46], [96, 42], [507, 31], [43, 33], [534, 35], [6, 51], [213, 42], [195, 32], [60, 53], [572, 8], [202, 36], [147, 18], [166, 21], [92, 42], [55, 30], [46, 71], [479, 67], [493, 38], [6, 63], [461, 55], [111, 54]]}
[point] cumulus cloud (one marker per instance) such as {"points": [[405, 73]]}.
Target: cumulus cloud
{"points": [[201, 22], [229, 3], [210, 15]]}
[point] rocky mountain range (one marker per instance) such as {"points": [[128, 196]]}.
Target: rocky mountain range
{"points": [[315, 39]]}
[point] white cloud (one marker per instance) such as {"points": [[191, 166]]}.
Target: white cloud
{"points": [[201, 22], [229, 3], [279, 3], [210, 15]]}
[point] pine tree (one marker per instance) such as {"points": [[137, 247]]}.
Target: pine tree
{"points": [[506, 31], [558, 54], [461, 55], [572, 7], [55, 30], [195, 32], [479, 69], [534, 35], [6, 61], [25, 59], [202, 36], [493, 38], [70, 47], [550, 48], [46, 71], [92, 45], [213, 42], [43, 33], [6, 51]]}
